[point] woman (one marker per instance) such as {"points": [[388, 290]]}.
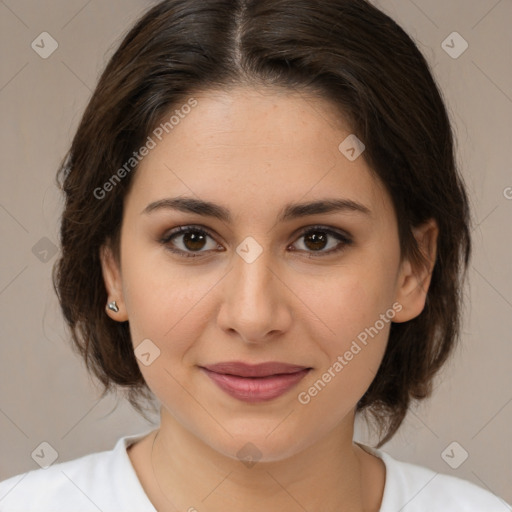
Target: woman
{"points": [[265, 229]]}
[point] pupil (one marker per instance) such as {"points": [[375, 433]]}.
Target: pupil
{"points": [[192, 239], [315, 240]]}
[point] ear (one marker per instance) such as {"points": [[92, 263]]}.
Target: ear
{"points": [[113, 283], [414, 280]]}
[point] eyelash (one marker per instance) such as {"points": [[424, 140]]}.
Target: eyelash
{"points": [[344, 240]]}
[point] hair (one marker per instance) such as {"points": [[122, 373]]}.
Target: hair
{"points": [[345, 51]]}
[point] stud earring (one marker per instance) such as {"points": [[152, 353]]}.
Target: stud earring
{"points": [[113, 306]]}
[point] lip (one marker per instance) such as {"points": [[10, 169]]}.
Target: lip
{"points": [[241, 369], [255, 383]]}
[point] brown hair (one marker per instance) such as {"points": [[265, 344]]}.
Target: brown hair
{"points": [[344, 50]]}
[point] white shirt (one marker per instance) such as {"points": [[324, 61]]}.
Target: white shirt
{"points": [[107, 482]]}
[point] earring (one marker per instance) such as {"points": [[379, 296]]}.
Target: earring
{"points": [[113, 306]]}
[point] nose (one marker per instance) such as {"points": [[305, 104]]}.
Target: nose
{"points": [[255, 299]]}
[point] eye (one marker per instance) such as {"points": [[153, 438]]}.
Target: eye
{"points": [[193, 239], [317, 238]]}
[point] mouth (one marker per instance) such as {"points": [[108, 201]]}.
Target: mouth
{"points": [[240, 369], [255, 383]]}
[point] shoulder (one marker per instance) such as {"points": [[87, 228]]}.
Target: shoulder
{"points": [[68, 482], [413, 488], [98, 481]]}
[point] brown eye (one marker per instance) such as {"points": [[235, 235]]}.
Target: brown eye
{"points": [[187, 240], [316, 239], [192, 240]]}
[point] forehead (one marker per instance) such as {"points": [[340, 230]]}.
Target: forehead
{"points": [[254, 146]]}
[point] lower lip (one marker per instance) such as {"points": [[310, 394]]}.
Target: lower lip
{"points": [[260, 389]]}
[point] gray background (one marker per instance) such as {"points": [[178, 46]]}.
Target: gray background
{"points": [[45, 392]]}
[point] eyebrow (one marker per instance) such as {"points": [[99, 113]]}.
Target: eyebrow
{"points": [[290, 211]]}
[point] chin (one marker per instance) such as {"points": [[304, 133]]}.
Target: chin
{"points": [[256, 445]]}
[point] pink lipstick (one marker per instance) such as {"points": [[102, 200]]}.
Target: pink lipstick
{"points": [[255, 383]]}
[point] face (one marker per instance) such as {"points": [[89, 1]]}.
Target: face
{"points": [[317, 288]]}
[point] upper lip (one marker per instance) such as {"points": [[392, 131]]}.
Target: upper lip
{"points": [[241, 369]]}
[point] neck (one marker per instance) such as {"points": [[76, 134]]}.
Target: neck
{"points": [[330, 475]]}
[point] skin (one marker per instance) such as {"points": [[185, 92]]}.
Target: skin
{"points": [[253, 151]]}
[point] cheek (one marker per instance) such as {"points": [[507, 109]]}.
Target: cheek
{"points": [[336, 388], [359, 321], [165, 302], [346, 302], [355, 314]]}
